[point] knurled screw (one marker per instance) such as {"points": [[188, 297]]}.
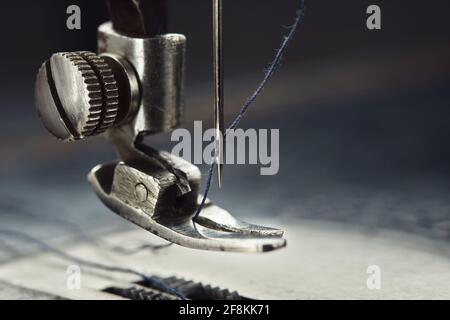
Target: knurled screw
{"points": [[81, 94]]}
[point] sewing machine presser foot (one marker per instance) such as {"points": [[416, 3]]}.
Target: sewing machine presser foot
{"points": [[150, 195]]}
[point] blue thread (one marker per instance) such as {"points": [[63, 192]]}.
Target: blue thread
{"points": [[155, 282], [274, 65], [9, 206]]}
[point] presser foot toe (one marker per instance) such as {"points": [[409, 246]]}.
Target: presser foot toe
{"points": [[221, 220]]}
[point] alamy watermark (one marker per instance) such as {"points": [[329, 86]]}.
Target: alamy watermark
{"points": [[373, 281], [250, 146], [374, 18], [73, 21], [73, 280]]}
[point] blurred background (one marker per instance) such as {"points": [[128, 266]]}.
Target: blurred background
{"points": [[363, 115]]}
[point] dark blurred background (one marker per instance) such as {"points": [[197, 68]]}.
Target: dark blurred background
{"points": [[363, 115]]}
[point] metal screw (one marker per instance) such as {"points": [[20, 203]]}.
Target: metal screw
{"points": [[141, 192], [81, 94]]}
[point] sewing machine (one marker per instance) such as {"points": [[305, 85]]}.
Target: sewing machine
{"points": [[363, 180], [134, 87]]}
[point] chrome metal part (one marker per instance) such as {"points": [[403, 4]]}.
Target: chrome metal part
{"points": [[169, 217], [218, 88], [129, 87], [160, 193], [81, 94], [159, 65]]}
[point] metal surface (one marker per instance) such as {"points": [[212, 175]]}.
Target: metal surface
{"points": [[129, 90], [218, 88], [68, 96], [108, 93], [170, 216], [159, 65], [77, 94]]}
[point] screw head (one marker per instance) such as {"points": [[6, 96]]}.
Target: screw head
{"points": [[77, 94], [141, 192]]}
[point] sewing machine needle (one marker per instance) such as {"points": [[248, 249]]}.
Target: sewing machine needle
{"points": [[218, 88]]}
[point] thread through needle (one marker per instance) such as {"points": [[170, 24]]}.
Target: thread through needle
{"points": [[273, 67]]}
